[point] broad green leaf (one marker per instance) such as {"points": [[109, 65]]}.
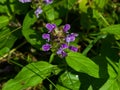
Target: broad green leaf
{"points": [[34, 37], [4, 20], [30, 75], [81, 63], [70, 81]]}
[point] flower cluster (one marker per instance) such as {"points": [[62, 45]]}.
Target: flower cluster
{"points": [[58, 39], [39, 10]]}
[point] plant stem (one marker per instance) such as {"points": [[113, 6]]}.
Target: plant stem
{"points": [[13, 50], [104, 19], [51, 57], [112, 64], [87, 49]]}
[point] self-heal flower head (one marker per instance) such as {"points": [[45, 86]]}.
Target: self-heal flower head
{"points": [[38, 11], [46, 36], [59, 40], [66, 28], [25, 1], [46, 47], [48, 1], [50, 27]]}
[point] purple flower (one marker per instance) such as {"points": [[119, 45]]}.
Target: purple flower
{"points": [[24, 1], [75, 49], [71, 37], [46, 36], [61, 52], [50, 27], [48, 1], [46, 47], [38, 11], [66, 28], [64, 46]]}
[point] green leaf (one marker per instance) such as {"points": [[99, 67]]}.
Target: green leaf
{"points": [[4, 20], [4, 51], [82, 5], [34, 37], [80, 63], [100, 3], [7, 38], [70, 81], [30, 75], [69, 3], [59, 87], [113, 29], [111, 84]]}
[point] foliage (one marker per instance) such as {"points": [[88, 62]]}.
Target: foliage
{"points": [[94, 62]]}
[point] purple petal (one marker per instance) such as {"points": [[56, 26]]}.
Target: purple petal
{"points": [[62, 53], [59, 51], [46, 36], [74, 34], [50, 27], [46, 47], [38, 11], [64, 46], [48, 1], [66, 28], [75, 49], [71, 37], [24, 1]]}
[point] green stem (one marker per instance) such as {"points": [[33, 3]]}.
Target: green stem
{"points": [[104, 19], [87, 49], [113, 65], [13, 50], [51, 57]]}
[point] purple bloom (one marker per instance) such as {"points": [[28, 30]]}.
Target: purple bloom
{"points": [[64, 46], [38, 11], [48, 1], [46, 36], [75, 49], [74, 34], [71, 37], [24, 1], [50, 27], [66, 28], [46, 47], [61, 52]]}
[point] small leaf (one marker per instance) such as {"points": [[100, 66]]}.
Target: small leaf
{"points": [[30, 75], [6, 38], [100, 3], [70, 81], [113, 29], [80, 63], [4, 20]]}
